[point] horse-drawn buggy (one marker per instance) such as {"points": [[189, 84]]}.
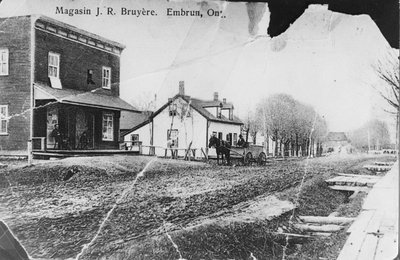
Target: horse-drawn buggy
{"points": [[246, 154], [249, 154]]}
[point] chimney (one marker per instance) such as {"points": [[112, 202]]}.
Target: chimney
{"points": [[182, 88], [215, 96], [224, 100]]}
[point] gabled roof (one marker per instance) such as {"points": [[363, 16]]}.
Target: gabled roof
{"points": [[129, 119], [200, 106], [336, 136], [84, 98], [128, 131]]}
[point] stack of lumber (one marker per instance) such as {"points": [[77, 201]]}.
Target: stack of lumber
{"points": [[352, 182]]}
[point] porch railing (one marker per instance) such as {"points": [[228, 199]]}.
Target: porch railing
{"points": [[39, 144]]}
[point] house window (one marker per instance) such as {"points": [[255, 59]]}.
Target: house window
{"points": [[3, 119], [231, 114], [219, 112], [106, 78], [54, 65], [235, 139], [89, 79], [220, 135], [229, 138], [135, 137], [173, 109], [3, 62], [108, 127], [172, 138]]}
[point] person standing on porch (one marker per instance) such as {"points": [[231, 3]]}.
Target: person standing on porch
{"points": [[57, 137]]}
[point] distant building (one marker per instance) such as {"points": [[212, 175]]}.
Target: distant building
{"points": [[336, 142], [184, 120], [71, 79]]}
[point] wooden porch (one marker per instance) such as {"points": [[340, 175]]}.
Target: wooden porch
{"points": [[79, 153]]}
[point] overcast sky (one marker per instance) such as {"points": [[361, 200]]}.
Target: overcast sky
{"points": [[324, 59]]}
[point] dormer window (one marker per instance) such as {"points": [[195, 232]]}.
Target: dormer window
{"points": [[3, 62], [54, 65], [231, 114], [106, 78], [172, 110]]}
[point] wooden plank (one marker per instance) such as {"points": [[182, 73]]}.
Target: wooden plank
{"points": [[348, 188], [375, 223], [384, 163], [362, 221], [352, 246], [323, 234], [387, 247], [368, 248], [326, 220], [360, 175], [315, 228]]}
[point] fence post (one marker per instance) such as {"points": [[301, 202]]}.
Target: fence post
{"points": [[29, 145]]}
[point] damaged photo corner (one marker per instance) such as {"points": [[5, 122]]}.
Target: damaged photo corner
{"points": [[156, 129]]}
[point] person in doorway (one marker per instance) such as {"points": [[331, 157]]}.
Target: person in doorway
{"points": [[83, 141], [57, 137]]}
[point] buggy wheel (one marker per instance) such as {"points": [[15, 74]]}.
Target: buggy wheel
{"points": [[248, 158], [262, 159]]}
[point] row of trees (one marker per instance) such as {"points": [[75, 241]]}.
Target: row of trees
{"points": [[294, 127], [373, 135]]}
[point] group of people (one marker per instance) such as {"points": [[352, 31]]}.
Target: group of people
{"points": [[241, 142], [63, 143]]}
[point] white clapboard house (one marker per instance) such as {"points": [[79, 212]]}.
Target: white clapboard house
{"points": [[185, 122]]}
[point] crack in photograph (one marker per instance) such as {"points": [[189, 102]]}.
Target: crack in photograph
{"points": [[199, 129]]}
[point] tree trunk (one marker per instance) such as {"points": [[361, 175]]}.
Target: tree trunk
{"points": [[297, 145]]}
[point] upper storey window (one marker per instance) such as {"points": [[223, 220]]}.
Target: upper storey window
{"points": [[54, 65], [3, 119], [3, 62], [106, 78]]}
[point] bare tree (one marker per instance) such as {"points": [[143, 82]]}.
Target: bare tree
{"points": [[252, 126], [373, 134], [388, 70], [291, 125]]}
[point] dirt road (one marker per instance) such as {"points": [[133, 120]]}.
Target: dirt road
{"points": [[56, 207]]}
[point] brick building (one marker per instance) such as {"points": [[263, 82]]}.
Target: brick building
{"points": [[71, 79]]}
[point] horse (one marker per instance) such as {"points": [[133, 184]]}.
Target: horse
{"points": [[221, 147]]}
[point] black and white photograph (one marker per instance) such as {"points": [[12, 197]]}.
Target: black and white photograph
{"points": [[199, 129]]}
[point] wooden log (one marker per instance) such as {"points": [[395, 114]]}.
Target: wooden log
{"points": [[292, 234], [349, 188], [315, 228], [384, 163], [320, 234], [326, 220], [359, 175]]}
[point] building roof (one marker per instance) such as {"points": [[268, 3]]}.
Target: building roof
{"points": [[200, 106], [83, 98], [336, 136], [46, 19], [129, 119]]}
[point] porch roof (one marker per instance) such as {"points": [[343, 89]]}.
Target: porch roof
{"points": [[82, 98]]}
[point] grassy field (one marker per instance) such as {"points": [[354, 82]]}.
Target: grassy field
{"points": [[175, 209]]}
